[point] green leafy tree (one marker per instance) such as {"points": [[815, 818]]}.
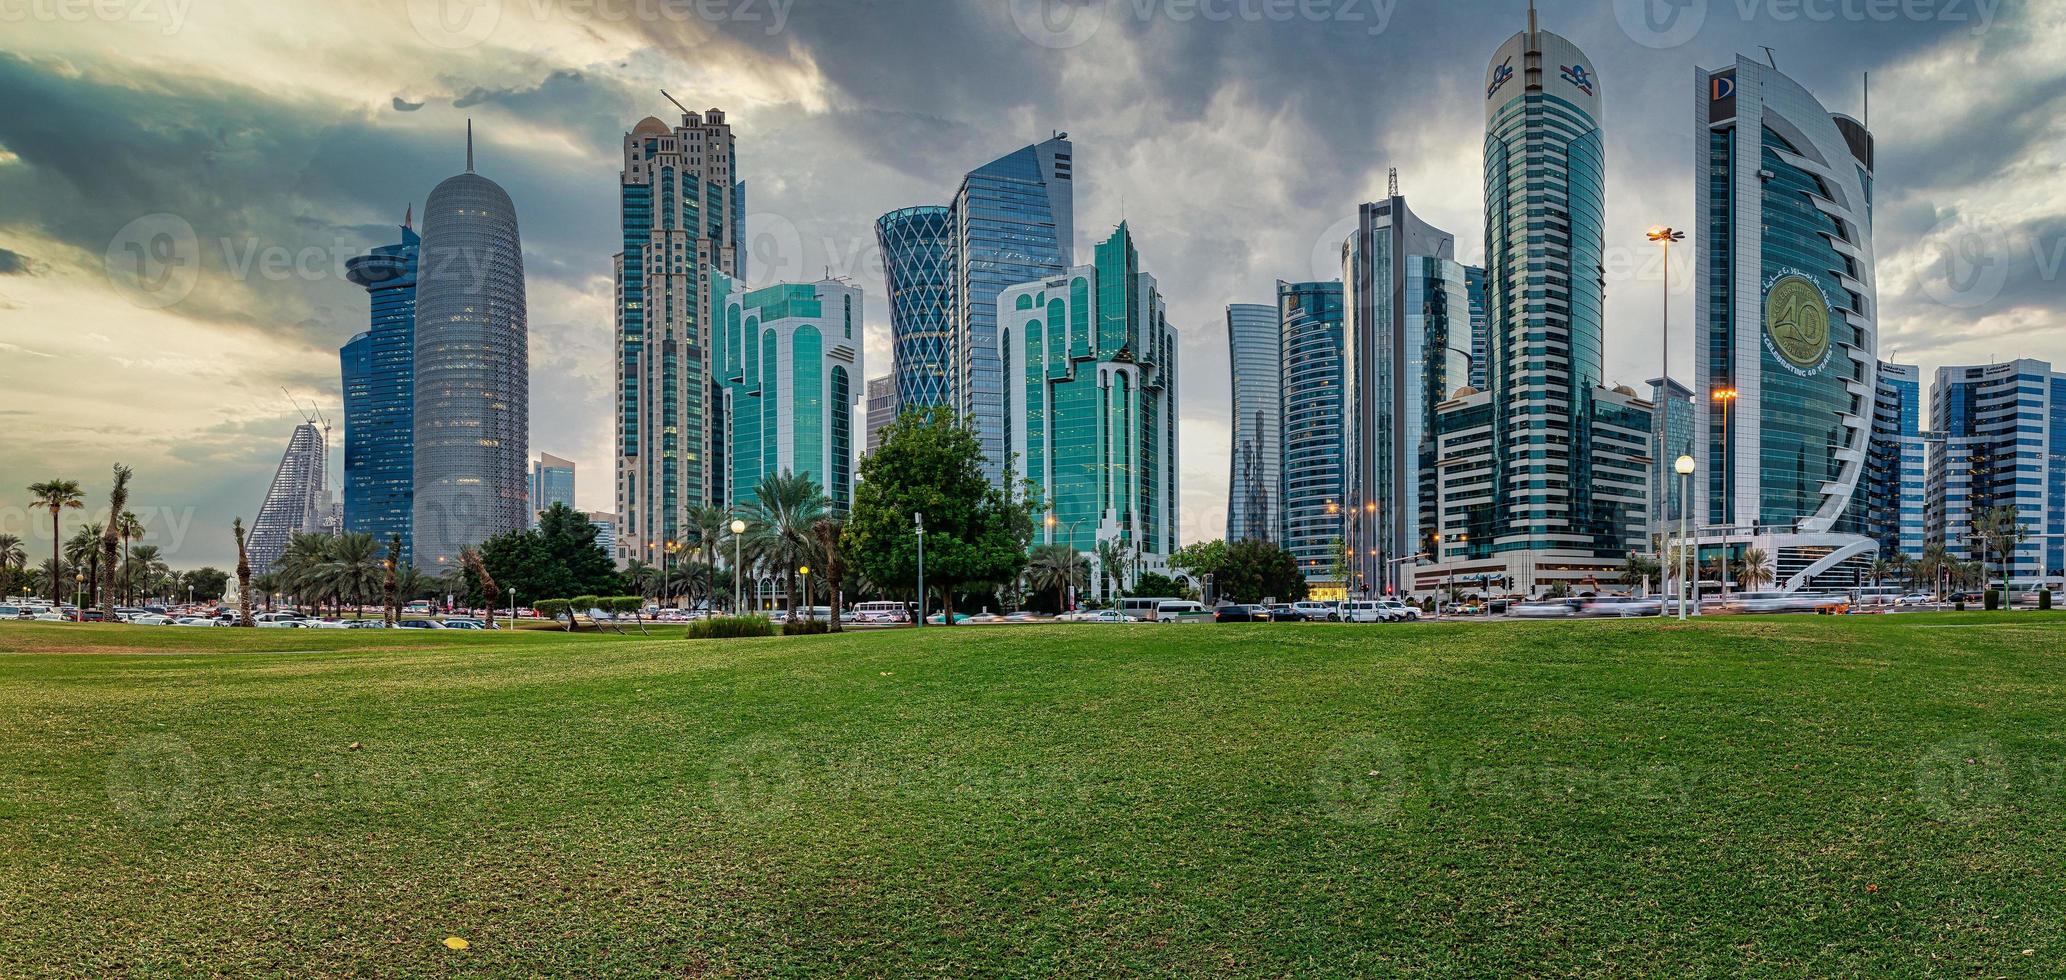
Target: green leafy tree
{"points": [[1151, 585], [83, 551], [14, 558], [206, 583], [1200, 558], [929, 464], [1255, 570], [558, 559]]}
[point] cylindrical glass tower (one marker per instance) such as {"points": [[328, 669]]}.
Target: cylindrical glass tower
{"points": [[472, 371]]}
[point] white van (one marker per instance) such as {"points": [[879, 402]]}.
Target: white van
{"points": [[1359, 611], [1178, 610], [1143, 609]]}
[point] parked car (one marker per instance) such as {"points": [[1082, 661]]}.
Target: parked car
{"points": [[149, 619], [86, 616], [13, 612], [1914, 599], [419, 624], [1241, 613], [198, 621], [1314, 611], [463, 623], [1399, 610], [1103, 616], [1285, 612]]}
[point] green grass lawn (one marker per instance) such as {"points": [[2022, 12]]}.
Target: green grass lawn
{"points": [[1818, 796]]}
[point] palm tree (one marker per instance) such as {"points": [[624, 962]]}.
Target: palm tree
{"points": [[1880, 569], [1900, 564], [130, 527], [1753, 570], [390, 608], [243, 574], [1640, 570], [299, 571], [641, 575], [83, 551], [351, 567], [1057, 567], [56, 496], [828, 530], [111, 537], [779, 520], [13, 557], [470, 559], [1112, 563], [1933, 565], [142, 569]]}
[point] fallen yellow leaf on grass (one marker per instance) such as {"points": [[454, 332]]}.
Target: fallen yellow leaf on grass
{"points": [[454, 942]]}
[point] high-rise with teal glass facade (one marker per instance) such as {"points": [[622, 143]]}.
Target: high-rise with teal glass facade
{"points": [[1671, 436], [1313, 488], [1090, 407], [681, 208], [1407, 308], [379, 394], [1785, 320], [789, 366]]}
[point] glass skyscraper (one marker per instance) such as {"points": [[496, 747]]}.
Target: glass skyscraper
{"points": [[1014, 222], [1407, 311], [1481, 337], [552, 482], [1545, 198], [1892, 498], [473, 372], [682, 216], [1671, 436], [790, 359], [1091, 408], [1256, 456], [1785, 315], [1314, 487], [379, 394], [919, 270], [297, 501], [2001, 442]]}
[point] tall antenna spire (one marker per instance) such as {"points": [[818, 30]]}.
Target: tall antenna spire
{"points": [[469, 144], [409, 216], [1393, 183], [1531, 16]]}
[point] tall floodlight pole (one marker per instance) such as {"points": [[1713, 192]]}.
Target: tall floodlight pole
{"points": [[1665, 236]]}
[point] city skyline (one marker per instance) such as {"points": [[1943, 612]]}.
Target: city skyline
{"points": [[214, 435]]}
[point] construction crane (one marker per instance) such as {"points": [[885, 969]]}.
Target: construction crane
{"points": [[312, 415]]}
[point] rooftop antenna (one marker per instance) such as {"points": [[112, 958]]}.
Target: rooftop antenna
{"points": [[1774, 62], [409, 216], [469, 144], [1531, 16], [1394, 183], [677, 102], [1867, 121]]}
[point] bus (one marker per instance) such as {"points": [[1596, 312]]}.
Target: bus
{"points": [[881, 612], [1876, 595]]}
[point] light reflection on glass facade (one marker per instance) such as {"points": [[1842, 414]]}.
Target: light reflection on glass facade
{"points": [[379, 395], [1256, 456], [1315, 480], [1091, 407], [919, 269]]}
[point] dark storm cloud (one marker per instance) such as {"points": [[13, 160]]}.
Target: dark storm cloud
{"points": [[14, 263], [403, 105]]}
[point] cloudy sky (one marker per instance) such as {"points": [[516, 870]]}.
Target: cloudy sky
{"points": [[1237, 137]]}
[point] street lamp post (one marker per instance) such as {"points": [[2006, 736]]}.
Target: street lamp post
{"points": [[1665, 236], [79, 595], [738, 575], [1684, 466], [918, 521], [1725, 396], [805, 571]]}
